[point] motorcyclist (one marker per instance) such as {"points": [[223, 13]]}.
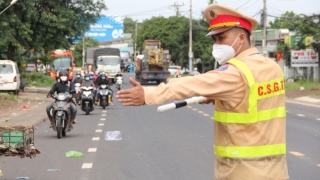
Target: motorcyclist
{"points": [[62, 87], [117, 75], [78, 78], [103, 79], [88, 82]]}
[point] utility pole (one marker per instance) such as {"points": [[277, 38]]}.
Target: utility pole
{"points": [[190, 39], [177, 6], [83, 48], [135, 42], [264, 33]]}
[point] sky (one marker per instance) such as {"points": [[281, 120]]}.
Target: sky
{"points": [[145, 9]]}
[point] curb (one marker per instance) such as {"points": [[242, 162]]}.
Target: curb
{"points": [[35, 90]]}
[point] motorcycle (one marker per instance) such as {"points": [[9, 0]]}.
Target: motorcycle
{"points": [[119, 82], [87, 99], [104, 96], [61, 113], [77, 86]]}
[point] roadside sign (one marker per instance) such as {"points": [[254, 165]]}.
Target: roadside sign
{"points": [[307, 58]]}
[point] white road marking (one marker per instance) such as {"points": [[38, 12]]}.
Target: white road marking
{"points": [[287, 111], [92, 150], [318, 119], [103, 114], [296, 153], [195, 109], [300, 115], [101, 124], [200, 111], [206, 114], [95, 138], [86, 165], [104, 111], [99, 130], [102, 119]]}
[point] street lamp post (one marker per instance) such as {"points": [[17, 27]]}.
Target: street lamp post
{"points": [[12, 2]]}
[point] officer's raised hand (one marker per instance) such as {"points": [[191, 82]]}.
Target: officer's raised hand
{"points": [[133, 96]]}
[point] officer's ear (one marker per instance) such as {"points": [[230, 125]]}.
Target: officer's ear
{"points": [[242, 38]]}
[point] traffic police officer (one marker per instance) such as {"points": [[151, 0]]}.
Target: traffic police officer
{"points": [[248, 92]]}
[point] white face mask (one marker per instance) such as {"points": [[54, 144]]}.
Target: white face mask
{"points": [[63, 78], [222, 53]]}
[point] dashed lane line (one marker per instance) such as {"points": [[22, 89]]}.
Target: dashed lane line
{"points": [[318, 165], [206, 115], [296, 153], [103, 114], [200, 112], [195, 109], [86, 165], [99, 130], [92, 150], [102, 119], [95, 138], [104, 111], [318, 119], [300, 115], [101, 124]]}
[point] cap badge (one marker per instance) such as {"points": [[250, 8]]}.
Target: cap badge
{"points": [[213, 14]]}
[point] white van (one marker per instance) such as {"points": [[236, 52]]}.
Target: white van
{"points": [[9, 76]]}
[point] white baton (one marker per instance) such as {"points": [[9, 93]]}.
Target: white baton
{"points": [[175, 105]]}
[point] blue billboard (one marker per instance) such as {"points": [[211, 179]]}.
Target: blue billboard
{"points": [[107, 28]]}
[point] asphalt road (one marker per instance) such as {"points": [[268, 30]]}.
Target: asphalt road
{"points": [[172, 145]]}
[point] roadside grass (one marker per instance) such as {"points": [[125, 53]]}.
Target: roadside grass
{"points": [[5, 98], [301, 83], [38, 79]]}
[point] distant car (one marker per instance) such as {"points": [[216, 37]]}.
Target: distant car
{"points": [[31, 68], [9, 76], [173, 69]]}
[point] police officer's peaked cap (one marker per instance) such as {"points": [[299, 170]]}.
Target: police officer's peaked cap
{"points": [[222, 18]]}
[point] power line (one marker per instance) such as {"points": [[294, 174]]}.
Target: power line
{"points": [[177, 6], [250, 5], [242, 5], [275, 7]]}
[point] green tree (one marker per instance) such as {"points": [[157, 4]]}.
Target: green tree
{"points": [[129, 25], [77, 53], [310, 25], [172, 32], [44, 25], [288, 20]]}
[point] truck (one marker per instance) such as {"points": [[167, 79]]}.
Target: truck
{"points": [[61, 59], [153, 64], [104, 59]]}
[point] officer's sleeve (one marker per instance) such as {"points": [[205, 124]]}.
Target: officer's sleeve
{"points": [[225, 84]]}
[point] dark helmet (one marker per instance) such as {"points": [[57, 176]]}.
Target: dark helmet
{"points": [[63, 72]]}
